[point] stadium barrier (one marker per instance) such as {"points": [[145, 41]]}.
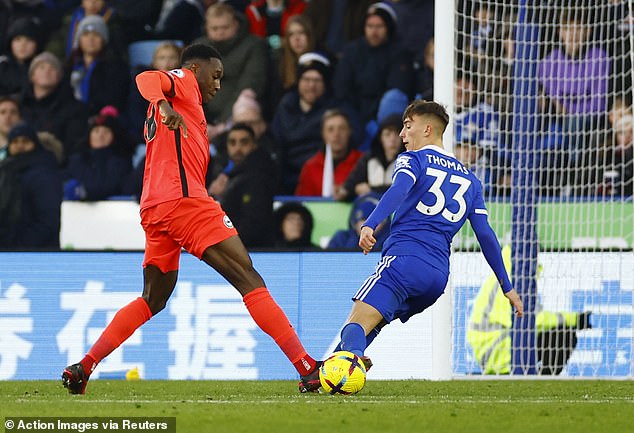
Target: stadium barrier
{"points": [[53, 306]]}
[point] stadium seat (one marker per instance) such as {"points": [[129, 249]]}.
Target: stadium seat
{"points": [[140, 53]]}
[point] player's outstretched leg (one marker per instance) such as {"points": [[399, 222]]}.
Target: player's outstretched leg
{"points": [[231, 260], [158, 287], [125, 322]]}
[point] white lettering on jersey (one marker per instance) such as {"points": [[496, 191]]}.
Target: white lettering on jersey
{"points": [[446, 163]]}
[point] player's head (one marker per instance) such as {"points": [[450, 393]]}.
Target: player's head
{"points": [[206, 63], [240, 142], [424, 122]]}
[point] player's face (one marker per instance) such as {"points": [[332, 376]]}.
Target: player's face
{"points": [[239, 145], [92, 7], [209, 74], [415, 133]]}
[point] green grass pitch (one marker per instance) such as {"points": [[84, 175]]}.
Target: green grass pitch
{"points": [[510, 406]]}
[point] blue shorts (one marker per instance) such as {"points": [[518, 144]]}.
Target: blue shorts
{"points": [[402, 286]]}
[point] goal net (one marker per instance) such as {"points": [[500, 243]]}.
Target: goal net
{"points": [[542, 103]]}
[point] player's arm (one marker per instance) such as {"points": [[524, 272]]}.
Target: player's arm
{"points": [[155, 86], [493, 255], [389, 202]]}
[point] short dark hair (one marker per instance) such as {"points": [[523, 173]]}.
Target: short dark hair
{"points": [[421, 107], [241, 126], [12, 100], [201, 52]]}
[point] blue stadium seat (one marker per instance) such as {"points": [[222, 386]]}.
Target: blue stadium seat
{"points": [[140, 53]]}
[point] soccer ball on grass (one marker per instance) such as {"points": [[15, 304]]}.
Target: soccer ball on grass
{"points": [[342, 373]]}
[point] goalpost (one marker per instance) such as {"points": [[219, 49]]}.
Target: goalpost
{"points": [[541, 99]]}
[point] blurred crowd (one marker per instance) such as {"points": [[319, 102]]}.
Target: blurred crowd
{"points": [[311, 104]]}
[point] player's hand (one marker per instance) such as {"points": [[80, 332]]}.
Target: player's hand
{"points": [[172, 119], [515, 302], [366, 239]]}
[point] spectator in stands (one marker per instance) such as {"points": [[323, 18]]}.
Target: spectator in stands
{"points": [[297, 40], [471, 154], [31, 196], [98, 78], [424, 72], [245, 110], [182, 20], [62, 43], [248, 196], [25, 37], [97, 172], [359, 213], [244, 56], [9, 117], [296, 124], [574, 78], [48, 103], [294, 224], [336, 22], [325, 172], [268, 18], [607, 170], [373, 172], [415, 22], [373, 64], [138, 18]]}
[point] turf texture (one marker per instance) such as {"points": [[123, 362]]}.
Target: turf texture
{"points": [[510, 406]]}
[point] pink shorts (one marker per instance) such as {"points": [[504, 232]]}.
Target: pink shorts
{"points": [[191, 223]]}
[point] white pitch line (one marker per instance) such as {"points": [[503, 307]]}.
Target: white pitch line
{"points": [[354, 400]]}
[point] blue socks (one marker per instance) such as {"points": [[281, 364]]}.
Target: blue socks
{"points": [[368, 338], [353, 339]]}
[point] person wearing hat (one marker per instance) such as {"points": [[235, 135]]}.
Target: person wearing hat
{"points": [[296, 123], [98, 78], [373, 64], [373, 172], [48, 103], [30, 203], [98, 171], [359, 213], [24, 36], [62, 42]]}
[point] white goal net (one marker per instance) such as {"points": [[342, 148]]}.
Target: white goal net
{"points": [[542, 102]]}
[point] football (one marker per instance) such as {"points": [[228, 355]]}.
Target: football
{"points": [[342, 373]]}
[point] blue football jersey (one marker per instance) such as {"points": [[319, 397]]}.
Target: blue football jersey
{"points": [[444, 195]]}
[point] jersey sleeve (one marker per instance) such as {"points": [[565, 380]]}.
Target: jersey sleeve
{"points": [[155, 86], [478, 207], [407, 164]]}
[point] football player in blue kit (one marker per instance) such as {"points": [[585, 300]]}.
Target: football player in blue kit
{"points": [[432, 195]]}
